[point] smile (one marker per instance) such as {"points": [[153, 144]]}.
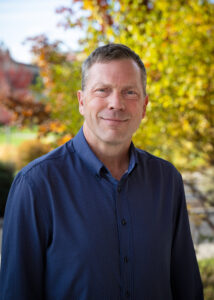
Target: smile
{"points": [[114, 120]]}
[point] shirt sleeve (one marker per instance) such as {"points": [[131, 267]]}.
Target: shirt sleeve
{"points": [[185, 276], [25, 239]]}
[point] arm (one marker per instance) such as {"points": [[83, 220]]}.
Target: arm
{"points": [[24, 244], [185, 276]]}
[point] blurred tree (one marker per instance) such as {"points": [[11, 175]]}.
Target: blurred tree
{"points": [[175, 41], [61, 73]]}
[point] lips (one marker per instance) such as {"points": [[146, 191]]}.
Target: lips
{"points": [[113, 120], [114, 117]]}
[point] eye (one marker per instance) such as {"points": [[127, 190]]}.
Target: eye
{"points": [[101, 91], [130, 92]]}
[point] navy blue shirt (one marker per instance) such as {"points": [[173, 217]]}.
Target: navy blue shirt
{"points": [[73, 232]]}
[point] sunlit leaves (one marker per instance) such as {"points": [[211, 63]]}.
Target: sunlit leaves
{"points": [[61, 79], [175, 41]]}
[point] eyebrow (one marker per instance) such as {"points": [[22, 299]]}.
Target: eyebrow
{"points": [[101, 83], [108, 85], [131, 87]]}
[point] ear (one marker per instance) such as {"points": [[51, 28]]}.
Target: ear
{"points": [[80, 97], [146, 100]]}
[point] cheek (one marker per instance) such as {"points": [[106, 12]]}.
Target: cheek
{"points": [[90, 109], [136, 109], [95, 106]]}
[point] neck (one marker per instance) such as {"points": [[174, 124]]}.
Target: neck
{"points": [[116, 163], [114, 156]]}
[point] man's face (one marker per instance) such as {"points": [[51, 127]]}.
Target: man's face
{"points": [[113, 102]]}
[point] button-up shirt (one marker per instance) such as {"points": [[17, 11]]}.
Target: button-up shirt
{"points": [[73, 232]]}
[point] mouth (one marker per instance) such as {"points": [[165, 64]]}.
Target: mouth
{"points": [[113, 120]]}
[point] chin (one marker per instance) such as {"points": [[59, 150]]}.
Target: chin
{"points": [[114, 140]]}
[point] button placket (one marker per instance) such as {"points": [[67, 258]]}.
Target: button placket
{"points": [[125, 259], [123, 222], [127, 293], [124, 238]]}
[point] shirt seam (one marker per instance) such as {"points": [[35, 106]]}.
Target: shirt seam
{"points": [[44, 211], [37, 164]]}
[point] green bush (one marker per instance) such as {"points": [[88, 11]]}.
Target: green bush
{"points": [[207, 274], [30, 150], [6, 178]]}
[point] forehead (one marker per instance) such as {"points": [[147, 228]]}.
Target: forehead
{"points": [[120, 71]]}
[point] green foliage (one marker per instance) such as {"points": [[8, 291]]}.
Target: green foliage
{"points": [[207, 274], [174, 39], [6, 178], [61, 74], [63, 95], [30, 150]]}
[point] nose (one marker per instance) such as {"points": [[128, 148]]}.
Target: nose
{"points": [[116, 101]]}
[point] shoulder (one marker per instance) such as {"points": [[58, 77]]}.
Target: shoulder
{"points": [[156, 164], [50, 161], [150, 158]]}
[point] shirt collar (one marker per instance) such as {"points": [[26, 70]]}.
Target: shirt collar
{"points": [[83, 150], [133, 158]]}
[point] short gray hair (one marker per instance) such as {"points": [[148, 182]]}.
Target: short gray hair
{"points": [[111, 52]]}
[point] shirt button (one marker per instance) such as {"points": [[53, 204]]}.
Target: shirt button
{"points": [[119, 189], [125, 259], [123, 221], [127, 294]]}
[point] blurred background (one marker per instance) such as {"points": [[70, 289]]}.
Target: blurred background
{"points": [[42, 46]]}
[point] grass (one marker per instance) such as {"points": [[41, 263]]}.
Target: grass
{"points": [[16, 143], [14, 136], [10, 139]]}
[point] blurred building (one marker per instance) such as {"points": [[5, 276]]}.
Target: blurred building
{"points": [[15, 81]]}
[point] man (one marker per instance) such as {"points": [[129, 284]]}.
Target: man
{"points": [[98, 219]]}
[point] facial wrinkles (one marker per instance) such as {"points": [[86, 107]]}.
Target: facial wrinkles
{"points": [[116, 115], [110, 112], [113, 113], [118, 79]]}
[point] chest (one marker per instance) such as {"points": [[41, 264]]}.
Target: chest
{"points": [[94, 216]]}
